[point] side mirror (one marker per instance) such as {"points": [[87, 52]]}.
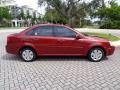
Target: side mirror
{"points": [[77, 36]]}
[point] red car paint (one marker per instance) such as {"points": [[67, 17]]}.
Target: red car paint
{"points": [[56, 46]]}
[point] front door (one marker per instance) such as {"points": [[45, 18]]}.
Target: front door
{"points": [[68, 44]]}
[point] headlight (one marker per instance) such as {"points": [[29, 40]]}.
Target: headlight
{"points": [[110, 43]]}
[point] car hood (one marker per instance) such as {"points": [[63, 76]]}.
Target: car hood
{"points": [[95, 38]]}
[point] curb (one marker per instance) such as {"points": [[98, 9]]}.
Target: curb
{"points": [[12, 30], [118, 46], [116, 43], [4, 31]]}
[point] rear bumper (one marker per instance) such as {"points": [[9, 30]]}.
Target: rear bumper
{"points": [[11, 50], [110, 50]]}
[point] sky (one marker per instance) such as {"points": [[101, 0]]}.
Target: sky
{"points": [[34, 4]]}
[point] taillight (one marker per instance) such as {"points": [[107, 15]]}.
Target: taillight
{"points": [[8, 39], [12, 39]]}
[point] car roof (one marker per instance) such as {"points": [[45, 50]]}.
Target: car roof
{"points": [[51, 25], [38, 25]]}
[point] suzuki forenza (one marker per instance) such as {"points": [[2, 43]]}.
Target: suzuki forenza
{"points": [[57, 40]]}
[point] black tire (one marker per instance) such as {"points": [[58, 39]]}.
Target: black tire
{"points": [[31, 51], [90, 56]]}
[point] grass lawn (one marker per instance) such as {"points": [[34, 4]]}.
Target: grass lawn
{"points": [[106, 36]]}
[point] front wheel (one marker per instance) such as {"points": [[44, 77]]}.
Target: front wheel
{"points": [[28, 54], [96, 54]]}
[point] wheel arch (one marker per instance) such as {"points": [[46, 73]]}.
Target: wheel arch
{"points": [[97, 47], [28, 46]]}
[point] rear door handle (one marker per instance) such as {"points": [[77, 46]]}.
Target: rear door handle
{"points": [[60, 40], [35, 38]]}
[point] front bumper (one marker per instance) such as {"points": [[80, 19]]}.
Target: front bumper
{"points": [[110, 50]]}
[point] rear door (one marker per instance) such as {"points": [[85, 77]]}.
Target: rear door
{"points": [[44, 40]]}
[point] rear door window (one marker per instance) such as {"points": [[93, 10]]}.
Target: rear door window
{"points": [[41, 31]]}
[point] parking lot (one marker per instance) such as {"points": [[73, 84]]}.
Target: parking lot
{"points": [[58, 73]]}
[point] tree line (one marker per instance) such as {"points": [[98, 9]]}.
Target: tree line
{"points": [[6, 16], [75, 13]]}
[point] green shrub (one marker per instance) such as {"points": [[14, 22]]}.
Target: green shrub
{"points": [[110, 25]]}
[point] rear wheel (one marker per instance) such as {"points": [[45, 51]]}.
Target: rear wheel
{"points": [[96, 54], [28, 54]]}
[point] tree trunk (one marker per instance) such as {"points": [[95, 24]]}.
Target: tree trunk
{"points": [[69, 16], [70, 21], [103, 3]]}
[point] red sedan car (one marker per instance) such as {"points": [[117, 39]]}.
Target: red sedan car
{"points": [[57, 40]]}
